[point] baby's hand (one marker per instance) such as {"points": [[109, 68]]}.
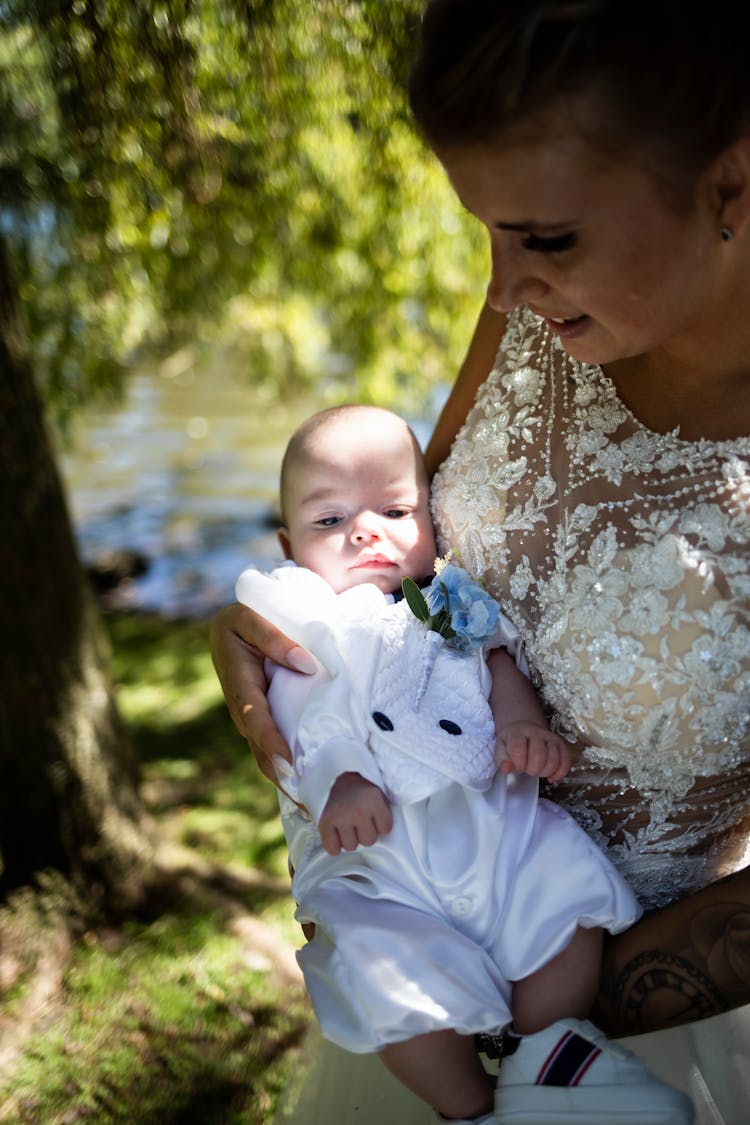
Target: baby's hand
{"points": [[356, 812], [531, 748]]}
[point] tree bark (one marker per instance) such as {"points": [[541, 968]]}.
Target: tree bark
{"points": [[68, 786]]}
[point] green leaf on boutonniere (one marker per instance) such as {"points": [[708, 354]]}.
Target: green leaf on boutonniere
{"points": [[415, 599]]}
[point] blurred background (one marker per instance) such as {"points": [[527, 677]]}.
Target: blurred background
{"points": [[215, 212]]}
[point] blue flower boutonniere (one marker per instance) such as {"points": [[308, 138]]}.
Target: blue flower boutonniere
{"points": [[455, 607], [456, 610]]}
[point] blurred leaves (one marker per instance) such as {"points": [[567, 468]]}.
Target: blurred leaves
{"points": [[238, 172]]}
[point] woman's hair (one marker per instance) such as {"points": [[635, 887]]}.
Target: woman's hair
{"points": [[665, 79]]}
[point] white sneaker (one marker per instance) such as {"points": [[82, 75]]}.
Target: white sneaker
{"points": [[570, 1074]]}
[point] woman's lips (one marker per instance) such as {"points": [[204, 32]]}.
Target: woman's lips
{"points": [[567, 328]]}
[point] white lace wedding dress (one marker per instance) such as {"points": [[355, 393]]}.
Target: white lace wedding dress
{"points": [[621, 555]]}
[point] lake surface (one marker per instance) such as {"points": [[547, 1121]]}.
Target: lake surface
{"points": [[183, 471]]}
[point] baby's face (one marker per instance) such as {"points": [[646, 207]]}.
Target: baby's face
{"points": [[357, 507]]}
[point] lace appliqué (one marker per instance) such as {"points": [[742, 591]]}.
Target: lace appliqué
{"points": [[622, 557]]}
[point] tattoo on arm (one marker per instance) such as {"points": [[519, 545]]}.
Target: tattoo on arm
{"points": [[661, 989], [710, 974]]}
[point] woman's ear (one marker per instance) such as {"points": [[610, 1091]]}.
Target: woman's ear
{"points": [[283, 536], [730, 186]]}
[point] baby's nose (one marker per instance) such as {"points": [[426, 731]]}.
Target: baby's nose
{"points": [[366, 527]]}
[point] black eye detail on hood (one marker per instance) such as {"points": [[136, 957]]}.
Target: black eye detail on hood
{"points": [[382, 720], [449, 726]]}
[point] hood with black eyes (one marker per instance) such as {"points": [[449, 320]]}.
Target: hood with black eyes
{"points": [[424, 734]]}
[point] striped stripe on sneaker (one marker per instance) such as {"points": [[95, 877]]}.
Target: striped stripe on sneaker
{"points": [[568, 1061], [571, 1074]]}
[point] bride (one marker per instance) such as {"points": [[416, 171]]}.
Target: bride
{"points": [[592, 465]]}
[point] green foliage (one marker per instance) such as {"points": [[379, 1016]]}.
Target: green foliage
{"points": [[415, 600], [237, 171]]}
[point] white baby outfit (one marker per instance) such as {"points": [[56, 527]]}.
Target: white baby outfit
{"points": [[478, 884]]}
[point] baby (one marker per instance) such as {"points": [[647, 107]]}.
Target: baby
{"points": [[448, 900]]}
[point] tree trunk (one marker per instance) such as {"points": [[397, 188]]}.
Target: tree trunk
{"points": [[68, 783]]}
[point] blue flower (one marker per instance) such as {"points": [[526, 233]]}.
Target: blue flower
{"points": [[445, 587], [474, 624], [460, 609]]}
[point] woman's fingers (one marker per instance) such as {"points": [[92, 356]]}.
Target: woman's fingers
{"points": [[244, 625], [240, 640]]}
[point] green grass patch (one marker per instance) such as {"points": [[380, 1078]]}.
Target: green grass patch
{"points": [[199, 775], [168, 1026], [178, 1016]]}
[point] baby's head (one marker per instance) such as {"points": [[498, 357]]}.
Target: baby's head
{"points": [[355, 499]]}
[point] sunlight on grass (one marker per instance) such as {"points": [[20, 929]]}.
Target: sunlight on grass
{"points": [[164, 672], [177, 1017], [199, 775], [157, 1028]]}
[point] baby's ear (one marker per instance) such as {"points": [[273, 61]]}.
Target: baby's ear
{"points": [[286, 546]]}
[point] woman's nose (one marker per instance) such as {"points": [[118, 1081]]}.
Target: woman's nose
{"points": [[513, 282]]}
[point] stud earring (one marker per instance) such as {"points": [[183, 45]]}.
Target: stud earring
{"points": [[726, 233]]}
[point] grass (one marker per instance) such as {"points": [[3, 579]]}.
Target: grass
{"points": [[191, 1012]]}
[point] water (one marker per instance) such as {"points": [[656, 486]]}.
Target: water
{"points": [[185, 472]]}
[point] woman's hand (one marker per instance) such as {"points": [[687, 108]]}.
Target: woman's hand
{"points": [[240, 640]]}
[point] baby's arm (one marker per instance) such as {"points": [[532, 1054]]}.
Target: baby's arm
{"points": [[356, 812], [525, 742]]}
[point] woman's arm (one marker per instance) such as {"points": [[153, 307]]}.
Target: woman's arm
{"points": [[476, 367], [680, 964], [239, 641]]}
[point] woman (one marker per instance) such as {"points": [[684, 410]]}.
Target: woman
{"points": [[599, 476]]}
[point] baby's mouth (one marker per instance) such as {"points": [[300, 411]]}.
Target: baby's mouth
{"points": [[372, 560]]}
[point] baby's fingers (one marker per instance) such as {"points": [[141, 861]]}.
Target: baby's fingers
{"points": [[383, 820], [526, 754], [558, 761]]}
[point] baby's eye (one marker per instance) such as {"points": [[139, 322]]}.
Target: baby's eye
{"points": [[328, 521], [396, 513], [553, 245]]}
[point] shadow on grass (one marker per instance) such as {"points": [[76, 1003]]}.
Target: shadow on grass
{"points": [[186, 1012], [199, 776]]}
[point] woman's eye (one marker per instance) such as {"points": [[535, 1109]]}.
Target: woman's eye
{"points": [[553, 245]]}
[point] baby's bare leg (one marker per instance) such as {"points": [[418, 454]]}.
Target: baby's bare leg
{"points": [[566, 986], [443, 1069]]}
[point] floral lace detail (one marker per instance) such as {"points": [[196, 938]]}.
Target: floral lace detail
{"points": [[622, 557]]}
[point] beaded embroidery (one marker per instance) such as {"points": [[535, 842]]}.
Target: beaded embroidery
{"points": [[621, 555]]}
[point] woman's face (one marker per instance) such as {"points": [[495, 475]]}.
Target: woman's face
{"points": [[592, 247]]}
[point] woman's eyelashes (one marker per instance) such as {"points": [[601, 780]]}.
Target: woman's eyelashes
{"points": [[553, 244]]}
